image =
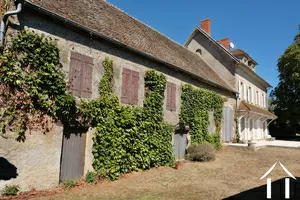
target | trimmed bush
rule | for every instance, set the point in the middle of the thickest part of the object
(90, 177)
(201, 152)
(10, 190)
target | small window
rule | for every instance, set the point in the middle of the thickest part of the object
(171, 97)
(246, 94)
(249, 95)
(130, 86)
(199, 52)
(257, 98)
(242, 91)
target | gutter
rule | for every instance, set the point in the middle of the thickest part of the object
(258, 113)
(5, 17)
(93, 32)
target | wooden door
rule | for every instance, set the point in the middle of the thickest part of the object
(180, 143)
(73, 154)
(227, 130)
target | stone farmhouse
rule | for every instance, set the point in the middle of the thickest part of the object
(87, 32)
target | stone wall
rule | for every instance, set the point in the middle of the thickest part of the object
(38, 159)
(215, 57)
(33, 164)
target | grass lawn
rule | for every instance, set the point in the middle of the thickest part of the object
(235, 170)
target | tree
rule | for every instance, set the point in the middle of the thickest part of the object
(271, 104)
(286, 96)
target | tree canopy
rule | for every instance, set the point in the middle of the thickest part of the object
(286, 96)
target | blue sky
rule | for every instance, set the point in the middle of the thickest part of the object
(263, 28)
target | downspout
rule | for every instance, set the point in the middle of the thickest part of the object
(5, 17)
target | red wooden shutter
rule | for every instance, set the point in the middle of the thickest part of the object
(126, 76)
(75, 75)
(169, 94)
(134, 87)
(87, 77)
(173, 97)
(81, 75)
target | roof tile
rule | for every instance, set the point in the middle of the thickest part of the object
(104, 18)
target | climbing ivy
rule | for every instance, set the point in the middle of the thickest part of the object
(32, 84)
(196, 102)
(33, 95)
(129, 138)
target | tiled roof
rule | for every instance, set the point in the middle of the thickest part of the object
(244, 106)
(106, 19)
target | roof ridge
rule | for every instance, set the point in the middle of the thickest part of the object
(134, 35)
(182, 46)
(142, 23)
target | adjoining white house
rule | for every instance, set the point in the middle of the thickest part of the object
(238, 69)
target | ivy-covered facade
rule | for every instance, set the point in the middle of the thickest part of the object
(145, 94)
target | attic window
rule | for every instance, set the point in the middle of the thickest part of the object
(199, 52)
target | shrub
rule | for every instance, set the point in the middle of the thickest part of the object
(69, 184)
(201, 152)
(90, 177)
(10, 190)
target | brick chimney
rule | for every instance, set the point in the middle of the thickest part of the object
(205, 25)
(225, 42)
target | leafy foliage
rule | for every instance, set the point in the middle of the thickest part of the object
(214, 139)
(129, 138)
(10, 190)
(201, 152)
(67, 184)
(33, 90)
(196, 102)
(285, 97)
(90, 177)
(31, 81)
(34, 93)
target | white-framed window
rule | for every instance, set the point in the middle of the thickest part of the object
(257, 98)
(246, 93)
(242, 90)
(253, 96)
(249, 94)
(263, 101)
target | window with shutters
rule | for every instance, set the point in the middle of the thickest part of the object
(171, 97)
(81, 74)
(130, 87)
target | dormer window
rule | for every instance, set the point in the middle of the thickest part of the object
(245, 60)
(199, 52)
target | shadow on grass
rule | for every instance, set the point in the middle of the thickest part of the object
(277, 191)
